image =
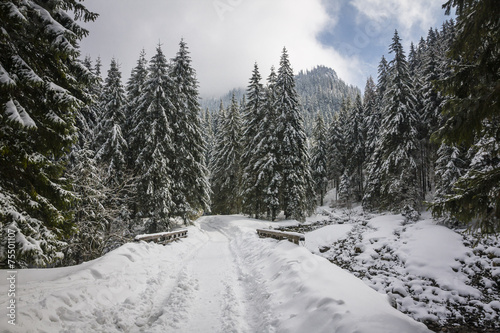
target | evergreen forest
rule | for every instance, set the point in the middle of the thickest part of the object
(88, 161)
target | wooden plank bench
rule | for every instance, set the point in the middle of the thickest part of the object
(293, 237)
(162, 237)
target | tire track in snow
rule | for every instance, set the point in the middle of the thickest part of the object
(247, 291)
(216, 305)
(170, 301)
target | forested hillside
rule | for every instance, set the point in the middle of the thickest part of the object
(320, 90)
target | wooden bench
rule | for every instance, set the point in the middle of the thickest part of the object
(162, 237)
(293, 237)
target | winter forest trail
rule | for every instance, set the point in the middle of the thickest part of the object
(217, 301)
(221, 278)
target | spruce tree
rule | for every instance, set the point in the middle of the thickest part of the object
(111, 148)
(472, 111)
(372, 121)
(337, 148)
(86, 117)
(355, 152)
(371, 194)
(135, 89)
(226, 168)
(269, 165)
(208, 137)
(253, 156)
(319, 159)
(296, 186)
(92, 219)
(394, 164)
(153, 134)
(450, 166)
(190, 187)
(41, 87)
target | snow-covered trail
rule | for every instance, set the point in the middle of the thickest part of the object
(217, 304)
(221, 278)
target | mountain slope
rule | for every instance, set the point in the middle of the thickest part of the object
(319, 89)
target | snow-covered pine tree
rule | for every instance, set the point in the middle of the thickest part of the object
(297, 185)
(111, 153)
(450, 166)
(90, 216)
(319, 159)
(371, 194)
(208, 137)
(345, 190)
(372, 117)
(111, 146)
(86, 117)
(430, 72)
(153, 135)
(355, 154)
(337, 148)
(382, 78)
(41, 85)
(269, 167)
(472, 111)
(226, 167)
(415, 69)
(397, 146)
(135, 89)
(190, 186)
(484, 156)
(429, 107)
(255, 152)
(216, 119)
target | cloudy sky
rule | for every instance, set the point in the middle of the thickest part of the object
(226, 37)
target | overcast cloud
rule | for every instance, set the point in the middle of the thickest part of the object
(226, 37)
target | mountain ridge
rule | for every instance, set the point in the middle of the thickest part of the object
(320, 90)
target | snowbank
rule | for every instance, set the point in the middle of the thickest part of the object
(309, 294)
(429, 271)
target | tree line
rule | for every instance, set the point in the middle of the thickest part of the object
(86, 163)
(139, 162)
(426, 134)
(403, 147)
(260, 160)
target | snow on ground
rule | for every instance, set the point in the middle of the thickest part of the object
(221, 278)
(431, 272)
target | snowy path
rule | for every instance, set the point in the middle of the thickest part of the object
(222, 278)
(217, 303)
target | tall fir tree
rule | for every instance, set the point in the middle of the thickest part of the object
(372, 121)
(111, 145)
(153, 135)
(472, 112)
(297, 186)
(41, 87)
(92, 219)
(395, 160)
(255, 153)
(319, 161)
(355, 152)
(86, 117)
(190, 187)
(269, 166)
(226, 167)
(450, 166)
(135, 88)
(208, 137)
(337, 148)
(372, 184)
